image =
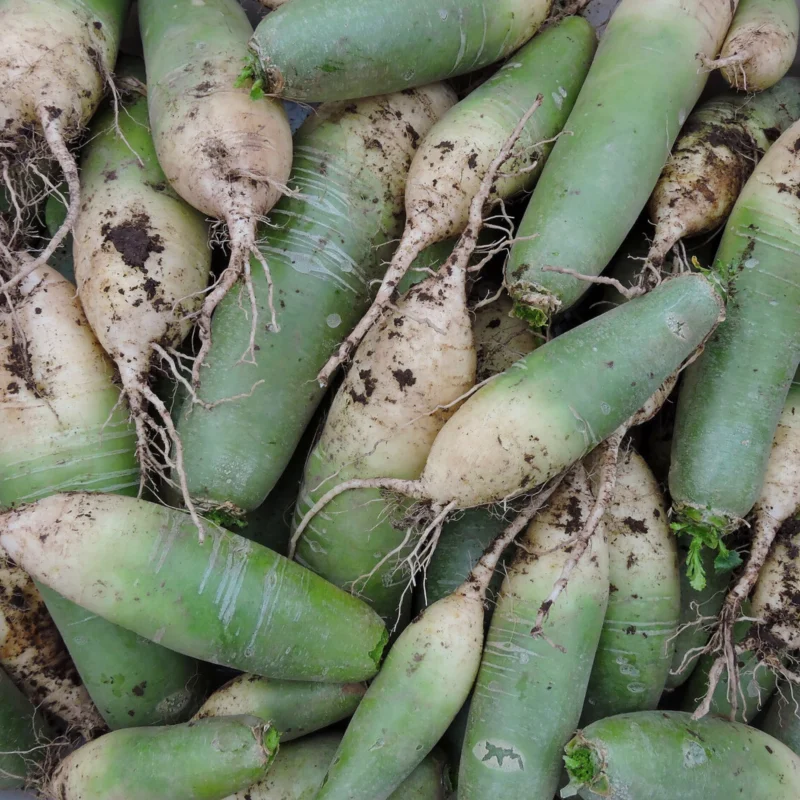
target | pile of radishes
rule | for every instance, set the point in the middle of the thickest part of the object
(443, 446)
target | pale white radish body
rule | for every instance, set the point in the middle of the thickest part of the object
(55, 56)
(141, 261)
(760, 45)
(226, 153)
(33, 654)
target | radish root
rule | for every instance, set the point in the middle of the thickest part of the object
(467, 242)
(605, 494)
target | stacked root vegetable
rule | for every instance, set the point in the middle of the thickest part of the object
(445, 447)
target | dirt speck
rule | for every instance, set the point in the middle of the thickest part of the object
(134, 240)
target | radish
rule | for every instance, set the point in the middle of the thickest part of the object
(719, 146)
(34, 656)
(635, 652)
(639, 91)
(781, 720)
(529, 691)
(205, 760)
(299, 769)
(454, 157)
(22, 732)
(424, 681)
(63, 427)
(722, 440)
(661, 755)
(228, 601)
(57, 56)
(494, 448)
(778, 501)
(140, 252)
(366, 50)
(225, 150)
(325, 245)
(760, 46)
(295, 708)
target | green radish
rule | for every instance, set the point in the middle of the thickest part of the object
(530, 690)
(731, 397)
(225, 150)
(299, 769)
(367, 49)
(63, 428)
(140, 252)
(638, 639)
(54, 213)
(760, 46)
(226, 600)
(34, 656)
(325, 247)
(455, 156)
(22, 733)
(423, 683)
(204, 760)
(719, 146)
(699, 607)
(494, 448)
(406, 376)
(57, 56)
(781, 720)
(662, 755)
(295, 708)
(639, 91)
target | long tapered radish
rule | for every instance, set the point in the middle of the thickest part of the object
(760, 46)
(325, 247)
(639, 91)
(716, 152)
(225, 153)
(731, 398)
(584, 385)
(662, 755)
(374, 47)
(55, 59)
(635, 651)
(141, 262)
(295, 708)
(22, 732)
(63, 427)
(33, 654)
(529, 692)
(204, 760)
(227, 600)
(299, 769)
(405, 377)
(454, 157)
(423, 683)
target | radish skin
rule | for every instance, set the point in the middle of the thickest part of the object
(204, 760)
(529, 692)
(662, 755)
(761, 44)
(648, 51)
(228, 601)
(712, 159)
(366, 49)
(454, 157)
(722, 438)
(225, 153)
(295, 708)
(34, 656)
(781, 720)
(141, 259)
(637, 643)
(56, 56)
(322, 270)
